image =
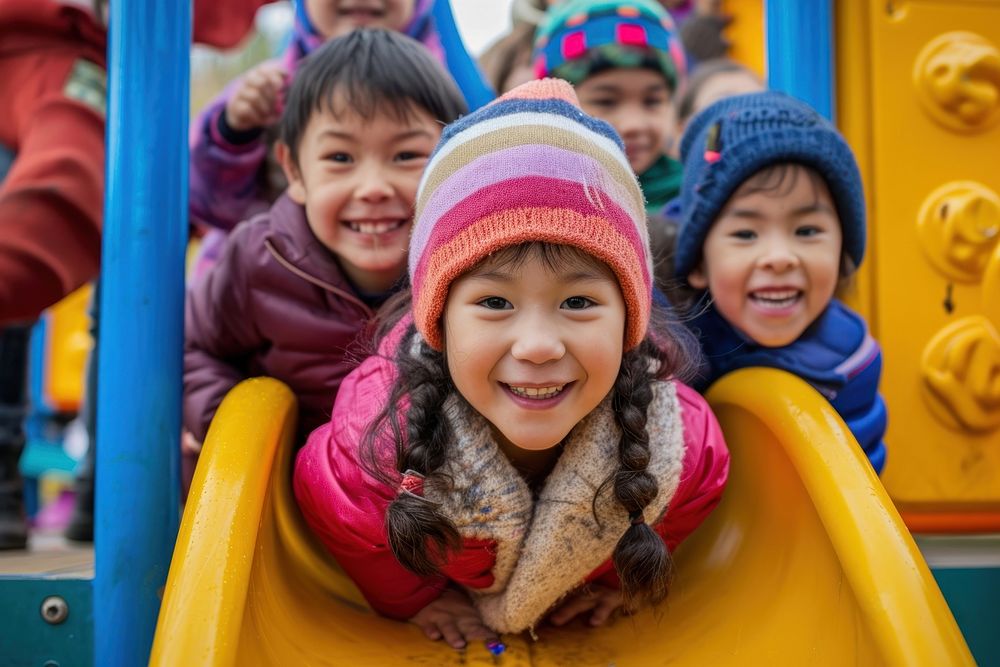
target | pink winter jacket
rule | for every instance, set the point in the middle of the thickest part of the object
(345, 507)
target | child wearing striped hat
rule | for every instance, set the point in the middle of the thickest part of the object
(627, 63)
(519, 448)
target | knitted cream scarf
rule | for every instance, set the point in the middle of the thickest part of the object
(547, 547)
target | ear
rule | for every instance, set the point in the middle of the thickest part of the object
(698, 278)
(296, 187)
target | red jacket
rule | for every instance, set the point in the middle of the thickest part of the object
(52, 92)
(52, 97)
(276, 304)
(345, 507)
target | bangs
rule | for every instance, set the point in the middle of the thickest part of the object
(778, 180)
(555, 257)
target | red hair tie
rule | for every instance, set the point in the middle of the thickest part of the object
(412, 483)
(637, 518)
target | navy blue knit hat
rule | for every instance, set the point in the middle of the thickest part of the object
(738, 136)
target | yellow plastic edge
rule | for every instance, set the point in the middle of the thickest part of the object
(206, 589)
(898, 596)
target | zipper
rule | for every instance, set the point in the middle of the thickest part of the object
(329, 287)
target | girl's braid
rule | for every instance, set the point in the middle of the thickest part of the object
(419, 535)
(641, 558)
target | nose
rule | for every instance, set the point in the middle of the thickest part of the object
(373, 185)
(536, 340)
(628, 123)
(778, 256)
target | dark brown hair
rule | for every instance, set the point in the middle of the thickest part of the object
(507, 53)
(420, 536)
(374, 70)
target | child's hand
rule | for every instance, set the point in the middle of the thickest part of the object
(602, 601)
(453, 617)
(189, 444)
(256, 102)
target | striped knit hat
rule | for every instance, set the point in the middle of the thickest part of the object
(531, 166)
(580, 38)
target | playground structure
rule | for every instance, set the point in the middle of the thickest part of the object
(805, 565)
(818, 567)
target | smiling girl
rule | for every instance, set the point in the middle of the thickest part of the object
(772, 217)
(519, 449)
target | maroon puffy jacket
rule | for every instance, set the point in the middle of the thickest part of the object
(276, 304)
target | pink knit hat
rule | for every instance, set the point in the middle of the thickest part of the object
(531, 166)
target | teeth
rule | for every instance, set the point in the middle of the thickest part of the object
(537, 392)
(375, 227)
(776, 299)
(777, 295)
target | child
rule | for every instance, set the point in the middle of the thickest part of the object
(711, 81)
(772, 215)
(626, 64)
(506, 63)
(296, 285)
(544, 434)
(228, 148)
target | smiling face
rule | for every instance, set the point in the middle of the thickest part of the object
(636, 102)
(333, 18)
(772, 257)
(357, 179)
(534, 345)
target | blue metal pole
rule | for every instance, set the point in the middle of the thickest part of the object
(141, 333)
(800, 51)
(461, 64)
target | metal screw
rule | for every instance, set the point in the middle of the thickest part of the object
(54, 609)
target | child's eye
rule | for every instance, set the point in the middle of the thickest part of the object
(577, 303)
(338, 157)
(495, 303)
(603, 103)
(654, 102)
(808, 230)
(405, 156)
(744, 234)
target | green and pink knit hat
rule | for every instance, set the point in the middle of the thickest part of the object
(582, 37)
(531, 166)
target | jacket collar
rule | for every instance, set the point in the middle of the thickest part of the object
(293, 245)
(827, 354)
(547, 547)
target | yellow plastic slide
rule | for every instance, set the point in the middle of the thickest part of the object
(805, 562)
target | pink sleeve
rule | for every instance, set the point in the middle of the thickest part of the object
(706, 469)
(345, 507)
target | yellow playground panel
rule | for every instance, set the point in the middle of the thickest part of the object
(920, 101)
(746, 33)
(804, 562)
(67, 348)
(918, 98)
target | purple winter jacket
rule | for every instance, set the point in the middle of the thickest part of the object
(276, 304)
